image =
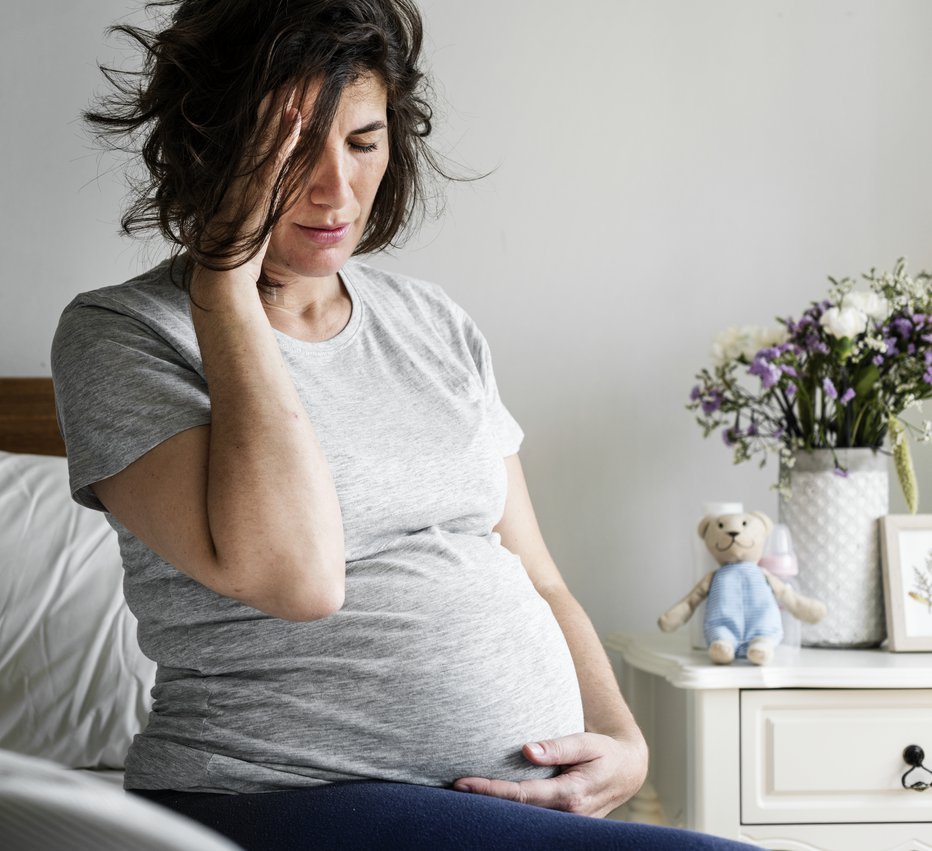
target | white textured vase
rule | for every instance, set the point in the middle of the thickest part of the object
(833, 520)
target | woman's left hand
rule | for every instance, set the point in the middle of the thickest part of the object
(599, 774)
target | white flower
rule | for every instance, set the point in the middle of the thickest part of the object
(729, 345)
(844, 322)
(773, 336)
(871, 304)
(745, 342)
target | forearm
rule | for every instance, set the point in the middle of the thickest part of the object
(604, 708)
(271, 501)
(604, 766)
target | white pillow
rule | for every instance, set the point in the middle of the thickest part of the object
(44, 806)
(74, 686)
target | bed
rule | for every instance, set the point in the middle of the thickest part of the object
(74, 686)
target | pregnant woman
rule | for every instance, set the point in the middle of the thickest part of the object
(361, 638)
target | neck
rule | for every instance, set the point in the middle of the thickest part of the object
(310, 298)
(312, 309)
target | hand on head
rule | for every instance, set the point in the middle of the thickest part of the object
(251, 194)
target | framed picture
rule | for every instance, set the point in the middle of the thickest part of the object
(906, 544)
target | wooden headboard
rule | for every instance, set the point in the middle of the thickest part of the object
(27, 417)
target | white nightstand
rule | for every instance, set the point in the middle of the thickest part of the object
(793, 756)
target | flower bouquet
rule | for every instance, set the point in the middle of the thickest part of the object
(841, 376)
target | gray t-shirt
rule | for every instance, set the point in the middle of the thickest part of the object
(443, 660)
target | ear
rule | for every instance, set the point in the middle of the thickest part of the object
(768, 523)
(704, 525)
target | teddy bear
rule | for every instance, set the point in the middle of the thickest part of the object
(742, 617)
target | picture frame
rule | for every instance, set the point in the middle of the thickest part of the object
(906, 549)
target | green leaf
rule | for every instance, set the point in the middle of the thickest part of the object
(865, 379)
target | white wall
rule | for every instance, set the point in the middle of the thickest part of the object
(662, 169)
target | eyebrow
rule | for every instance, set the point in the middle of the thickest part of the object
(369, 128)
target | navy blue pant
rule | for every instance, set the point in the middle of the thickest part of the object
(363, 815)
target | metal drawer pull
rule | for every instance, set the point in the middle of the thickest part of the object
(914, 756)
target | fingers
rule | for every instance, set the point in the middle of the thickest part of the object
(276, 113)
(279, 127)
(551, 794)
(251, 195)
(566, 750)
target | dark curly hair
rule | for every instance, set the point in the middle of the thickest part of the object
(191, 112)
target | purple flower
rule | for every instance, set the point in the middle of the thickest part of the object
(789, 370)
(768, 373)
(829, 389)
(902, 326)
(841, 472)
(712, 401)
(811, 342)
(847, 396)
(878, 360)
(773, 352)
(753, 430)
(791, 390)
(729, 436)
(815, 312)
(695, 393)
(927, 376)
(794, 328)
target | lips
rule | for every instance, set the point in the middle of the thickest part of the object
(325, 235)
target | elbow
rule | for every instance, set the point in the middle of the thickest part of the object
(310, 604)
(302, 592)
(308, 592)
(315, 588)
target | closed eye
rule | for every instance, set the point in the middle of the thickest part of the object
(365, 147)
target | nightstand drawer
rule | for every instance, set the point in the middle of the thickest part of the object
(820, 756)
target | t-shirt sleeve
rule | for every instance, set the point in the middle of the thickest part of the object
(120, 390)
(507, 431)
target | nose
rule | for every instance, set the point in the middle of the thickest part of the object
(734, 534)
(330, 185)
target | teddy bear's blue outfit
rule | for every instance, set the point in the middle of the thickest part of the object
(741, 607)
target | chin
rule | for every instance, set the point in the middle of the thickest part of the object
(296, 258)
(319, 264)
(316, 269)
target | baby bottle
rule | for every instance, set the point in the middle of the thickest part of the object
(703, 562)
(780, 560)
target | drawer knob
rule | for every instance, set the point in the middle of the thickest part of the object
(914, 756)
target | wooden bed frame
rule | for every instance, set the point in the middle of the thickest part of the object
(27, 417)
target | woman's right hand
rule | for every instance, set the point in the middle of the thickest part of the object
(250, 196)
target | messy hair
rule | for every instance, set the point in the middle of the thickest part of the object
(191, 112)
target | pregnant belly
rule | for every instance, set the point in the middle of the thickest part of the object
(434, 669)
